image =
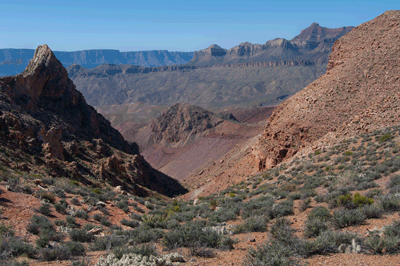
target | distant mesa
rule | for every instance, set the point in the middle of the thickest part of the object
(315, 42)
(93, 58)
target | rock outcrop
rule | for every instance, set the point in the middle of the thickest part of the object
(358, 93)
(182, 124)
(47, 122)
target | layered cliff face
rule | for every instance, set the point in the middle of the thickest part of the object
(48, 123)
(14, 61)
(358, 93)
(211, 54)
(315, 42)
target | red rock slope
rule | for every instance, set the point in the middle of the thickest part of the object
(358, 93)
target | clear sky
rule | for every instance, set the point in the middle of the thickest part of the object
(175, 25)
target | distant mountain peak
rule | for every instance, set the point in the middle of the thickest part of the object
(316, 33)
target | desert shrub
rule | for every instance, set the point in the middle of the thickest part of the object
(97, 191)
(123, 205)
(76, 202)
(328, 242)
(344, 218)
(13, 247)
(224, 215)
(372, 211)
(59, 192)
(135, 216)
(283, 248)
(54, 253)
(373, 193)
(130, 223)
(97, 217)
(375, 244)
(390, 203)
(105, 222)
(360, 200)
(60, 208)
(82, 214)
(314, 227)
(6, 230)
(389, 242)
(257, 207)
(144, 250)
(253, 224)
(144, 234)
(48, 181)
(282, 209)
(71, 222)
(103, 210)
(272, 253)
(60, 223)
(27, 190)
(227, 243)
(321, 213)
(282, 231)
(46, 195)
(44, 209)
(393, 230)
(385, 137)
(149, 206)
(346, 201)
(75, 248)
(191, 236)
(80, 235)
(295, 196)
(38, 224)
(108, 242)
(42, 241)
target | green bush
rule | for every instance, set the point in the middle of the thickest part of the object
(46, 195)
(253, 224)
(71, 222)
(372, 211)
(360, 200)
(191, 236)
(44, 209)
(82, 214)
(54, 253)
(60, 208)
(385, 137)
(39, 223)
(123, 205)
(80, 235)
(321, 213)
(390, 203)
(130, 223)
(344, 218)
(314, 227)
(75, 248)
(15, 247)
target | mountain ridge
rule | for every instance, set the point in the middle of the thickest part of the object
(313, 42)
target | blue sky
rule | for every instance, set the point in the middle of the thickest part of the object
(174, 25)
